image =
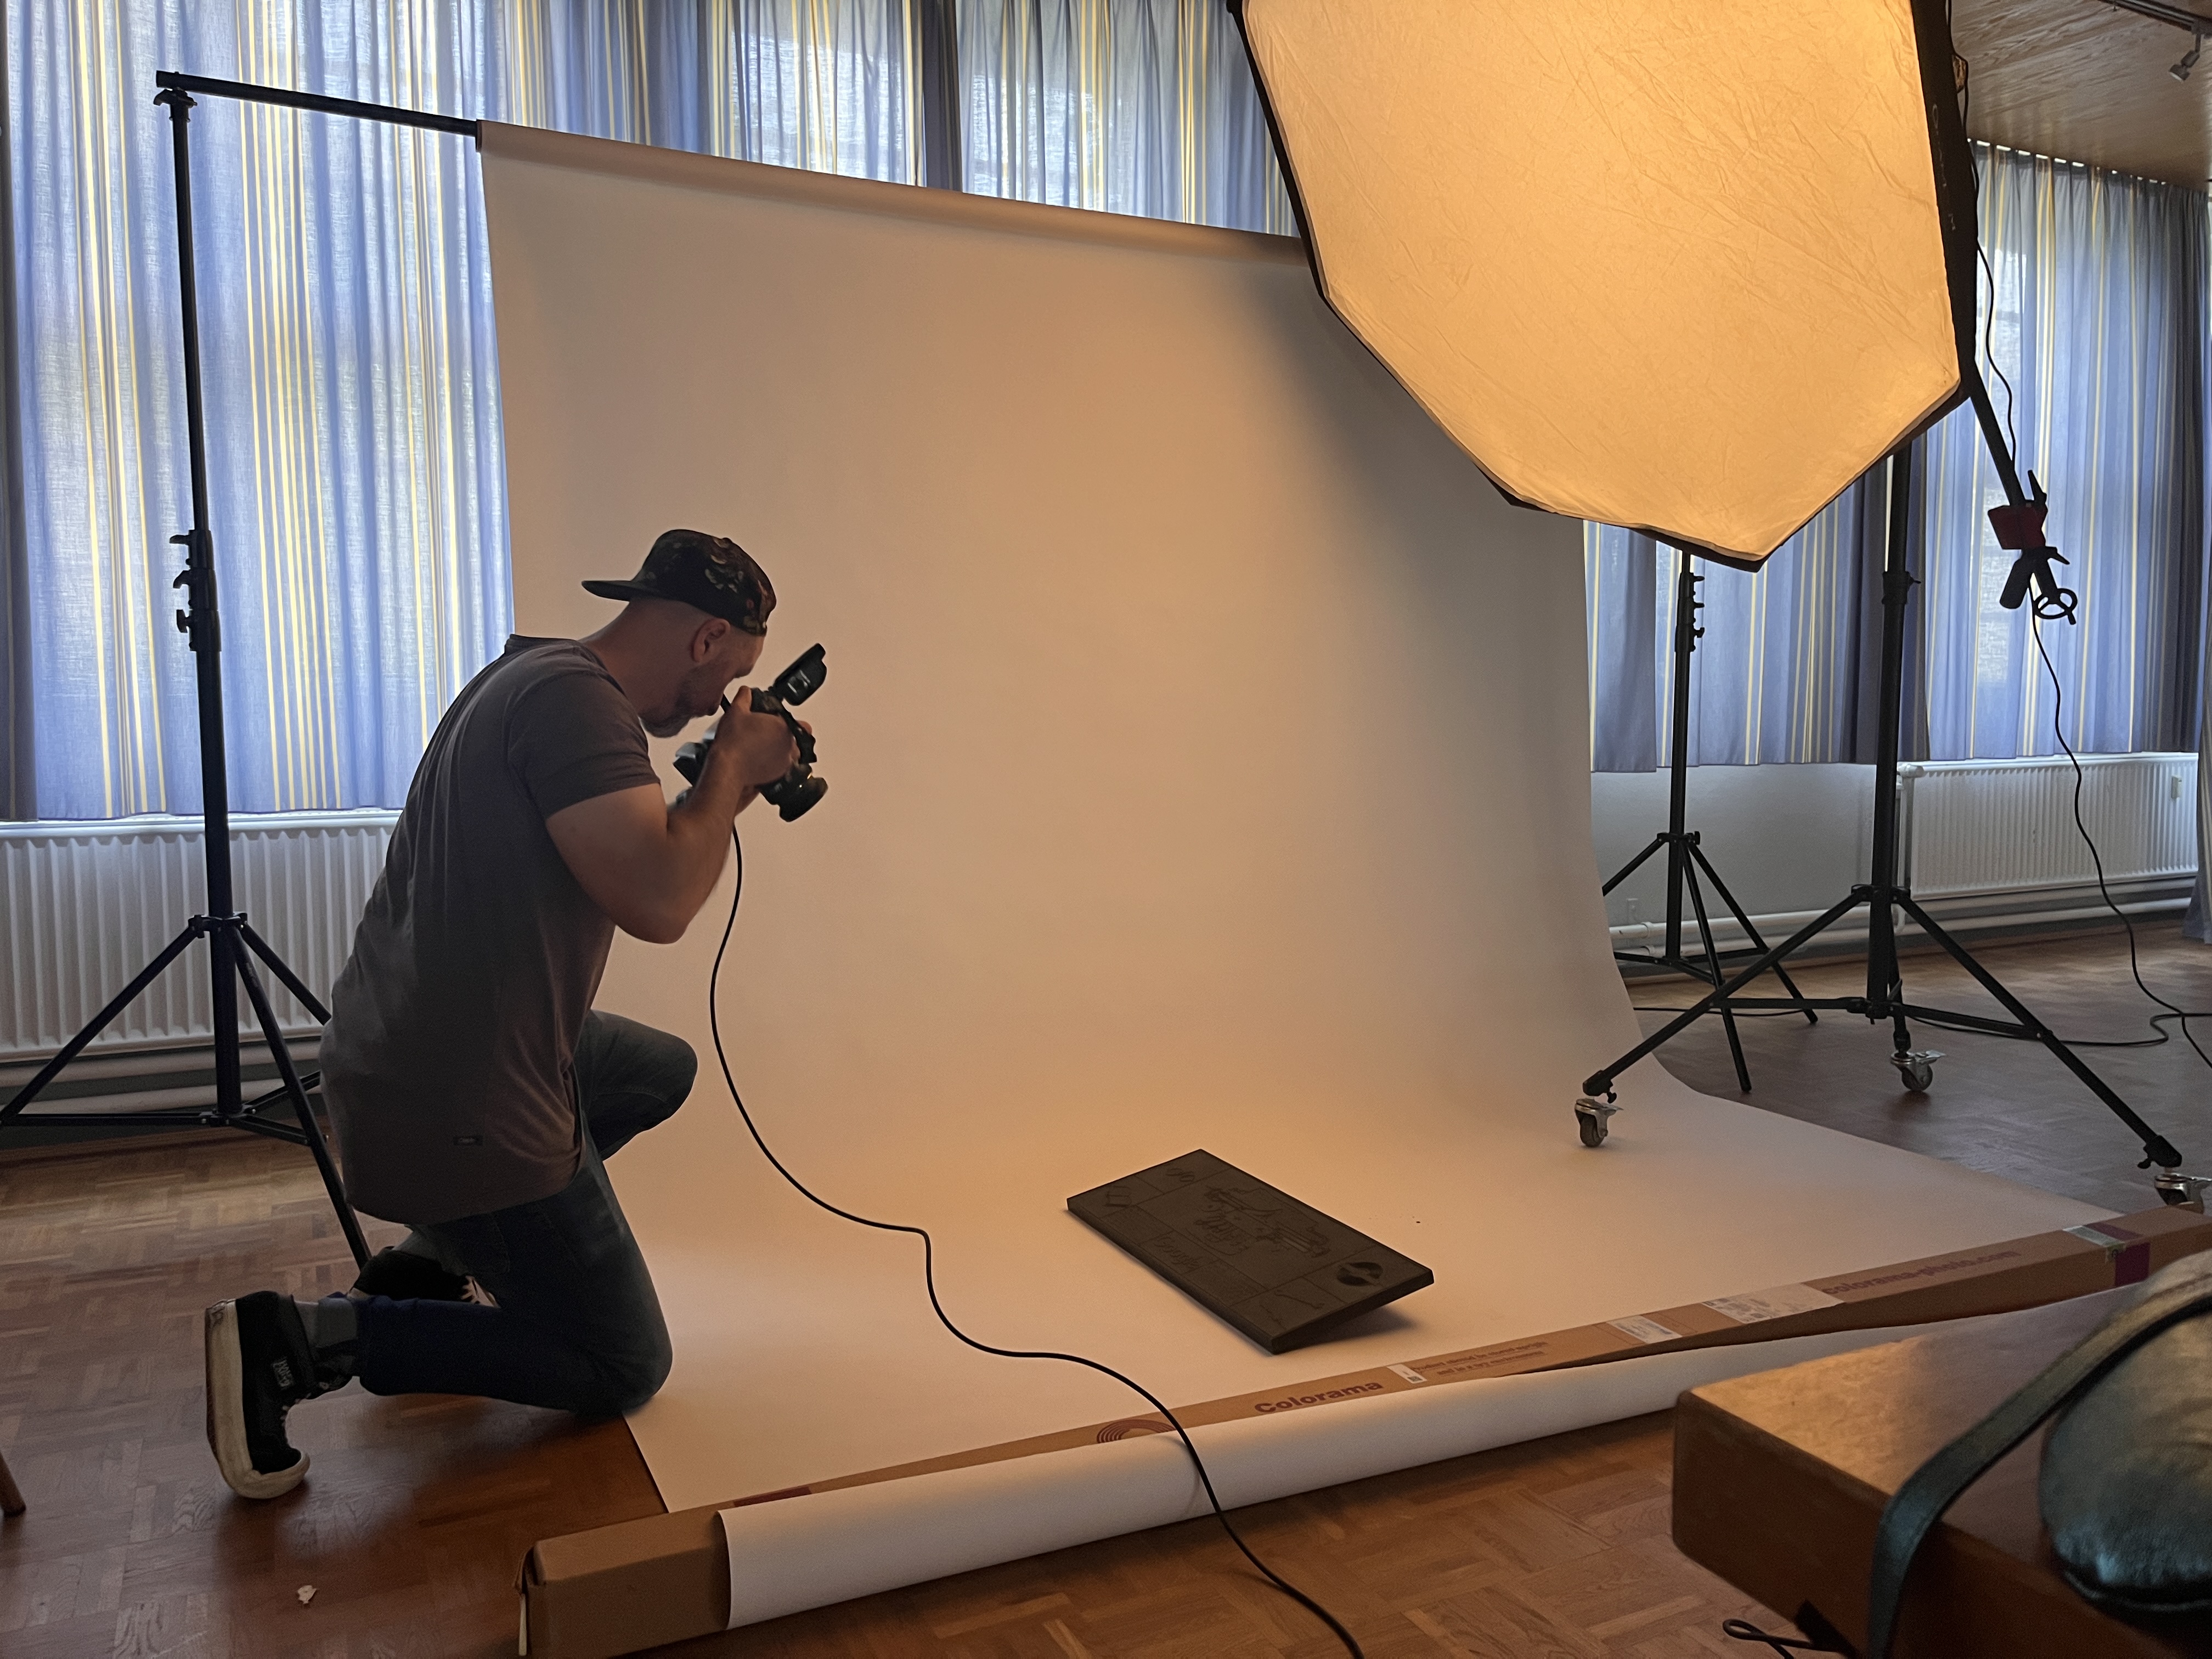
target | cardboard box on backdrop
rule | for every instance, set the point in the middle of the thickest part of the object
(1208, 756)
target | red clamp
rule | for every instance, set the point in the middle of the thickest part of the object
(2020, 528)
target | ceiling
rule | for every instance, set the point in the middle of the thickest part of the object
(2084, 81)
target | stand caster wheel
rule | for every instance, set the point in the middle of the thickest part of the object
(1917, 1067)
(1592, 1120)
(2183, 1191)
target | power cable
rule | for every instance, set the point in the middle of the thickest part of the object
(2035, 631)
(2104, 890)
(1742, 1630)
(2096, 858)
(1981, 252)
(929, 1280)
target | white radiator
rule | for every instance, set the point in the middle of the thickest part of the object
(83, 907)
(1986, 845)
(1992, 827)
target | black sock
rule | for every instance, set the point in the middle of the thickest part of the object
(333, 1327)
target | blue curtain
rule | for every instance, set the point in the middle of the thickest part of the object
(359, 511)
(354, 451)
(2098, 323)
(825, 84)
(1786, 669)
(1144, 106)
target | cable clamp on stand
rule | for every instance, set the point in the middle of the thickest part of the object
(2019, 527)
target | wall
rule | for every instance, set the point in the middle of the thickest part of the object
(1784, 838)
(1989, 847)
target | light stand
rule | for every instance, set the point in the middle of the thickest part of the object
(232, 943)
(1686, 857)
(1882, 896)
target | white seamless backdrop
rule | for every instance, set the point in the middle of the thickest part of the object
(1208, 760)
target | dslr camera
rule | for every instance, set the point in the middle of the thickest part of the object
(797, 790)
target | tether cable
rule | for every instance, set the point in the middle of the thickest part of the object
(929, 1279)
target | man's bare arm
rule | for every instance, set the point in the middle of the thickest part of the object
(650, 866)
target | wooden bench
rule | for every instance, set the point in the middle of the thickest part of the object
(1779, 1479)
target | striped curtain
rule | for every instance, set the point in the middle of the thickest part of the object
(824, 84)
(1786, 669)
(359, 512)
(1144, 106)
(2099, 322)
(354, 454)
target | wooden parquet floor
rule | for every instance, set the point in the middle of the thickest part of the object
(417, 1515)
(414, 1517)
(1996, 1105)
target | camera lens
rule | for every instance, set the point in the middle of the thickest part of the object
(793, 799)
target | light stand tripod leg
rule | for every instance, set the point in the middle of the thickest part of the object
(1713, 963)
(100, 1021)
(1743, 920)
(1634, 863)
(1623, 874)
(310, 1130)
(1600, 1083)
(290, 980)
(2157, 1149)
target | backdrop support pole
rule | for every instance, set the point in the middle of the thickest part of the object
(228, 936)
(1685, 854)
(1884, 895)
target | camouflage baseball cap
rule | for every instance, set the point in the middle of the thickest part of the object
(711, 573)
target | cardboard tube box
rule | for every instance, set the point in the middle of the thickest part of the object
(666, 1578)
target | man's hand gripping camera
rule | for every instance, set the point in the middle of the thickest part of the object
(798, 789)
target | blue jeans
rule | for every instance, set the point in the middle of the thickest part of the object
(577, 1326)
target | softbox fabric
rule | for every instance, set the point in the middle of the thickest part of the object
(1686, 269)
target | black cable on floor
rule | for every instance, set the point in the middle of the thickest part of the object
(1942, 1024)
(2135, 967)
(1742, 1630)
(929, 1279)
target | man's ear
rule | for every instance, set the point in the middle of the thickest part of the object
(707, 637)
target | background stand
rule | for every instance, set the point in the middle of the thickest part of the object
(232, 943)
(1686, 857)
(1884, 899)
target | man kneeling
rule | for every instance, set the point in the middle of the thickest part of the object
(475, 1093)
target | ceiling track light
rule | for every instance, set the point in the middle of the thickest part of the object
(2181, 17)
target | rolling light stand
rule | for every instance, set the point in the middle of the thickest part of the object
(1686, 857)
(232, 943)
(2020, 528)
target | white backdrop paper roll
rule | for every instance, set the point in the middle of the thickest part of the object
(800, 1552)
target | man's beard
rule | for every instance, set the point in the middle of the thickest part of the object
(667, 726)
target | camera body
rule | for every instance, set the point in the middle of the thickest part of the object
(797, 790)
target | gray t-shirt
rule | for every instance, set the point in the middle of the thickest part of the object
(446, 1063)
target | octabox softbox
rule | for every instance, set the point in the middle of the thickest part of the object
(1686, 268)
